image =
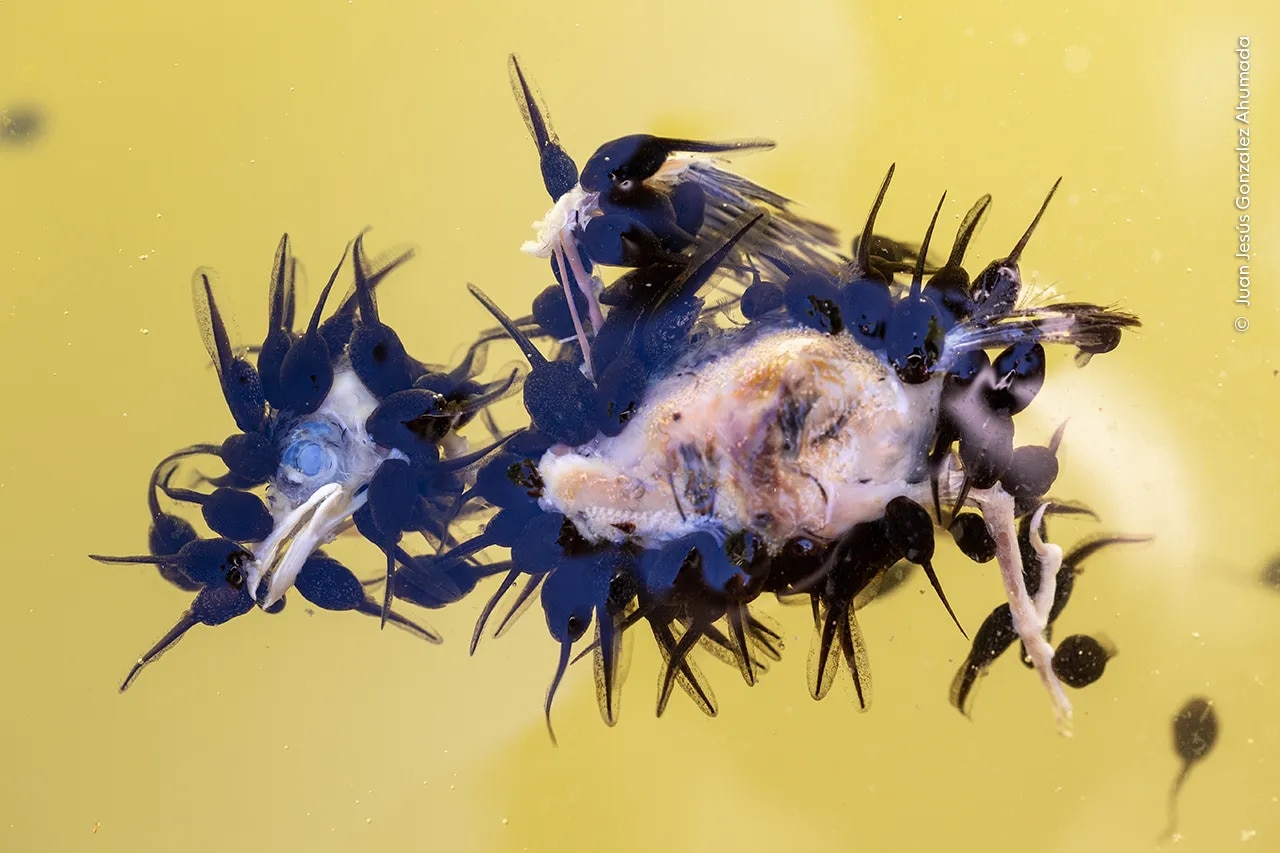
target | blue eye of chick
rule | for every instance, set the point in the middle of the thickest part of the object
(310, 451)
(307, 457)
(312, 454)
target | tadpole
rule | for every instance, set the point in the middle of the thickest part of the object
(1195, 731)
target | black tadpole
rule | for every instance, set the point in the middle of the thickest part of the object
(949, 286)
(915, 332)
(995, 290)
(1195, 731)
(559, 173)
(561, 401)
(376, 352)
(241, 386)
(1270, 575)
(910, 530)
(1080, 660)
(306, 371)
(279, 332)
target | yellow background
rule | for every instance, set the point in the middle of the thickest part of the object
(181, 134)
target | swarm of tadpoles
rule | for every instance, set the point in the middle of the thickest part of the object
(744, 410)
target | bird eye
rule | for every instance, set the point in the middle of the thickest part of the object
(309, 458)
(310, 455)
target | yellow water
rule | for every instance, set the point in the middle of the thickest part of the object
(176, 135)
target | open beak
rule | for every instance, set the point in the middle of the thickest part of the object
(279, 558)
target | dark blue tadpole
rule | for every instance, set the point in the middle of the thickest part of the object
(560, 400)
(460, 382)
(666, 333)
(1105, 339)
(240, 384)
(915, 332)
(568, 606)
(654, 210)
(949, 286)
(513, 574)
(337, 330)
(540, 547)
(910, 531)
(204, 561)
(735, 574)
(441, 483)
(594, 587)
(559, 172)
(663, 329)
(659, 568)
(463, 396)
(434, 581)
(645, 224)
(613, 589)
(168, 532)
(636, 290)
(377, 355)
(761, 297)
(328, 584)
(716, 572)
(551, 311)
(544, 542)
(306, 373)
(412, 421)
(395, 506)
(800, 560)
(995, 290)
(675, 653)
(214, 605)
(654, 578)
(508, 480)
(866, 303)
(698, 562)
(967, 367)
(619, 394)
(250, 456)
(281, 297)
(1019, 375)
(689, 201)
(251, 459)
(239, 516)
(813, 300)
(504, 528)
(618, 240)
(623, 164)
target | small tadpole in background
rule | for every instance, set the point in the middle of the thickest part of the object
(21, 124)
(1270, 574)
(1195, 731)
